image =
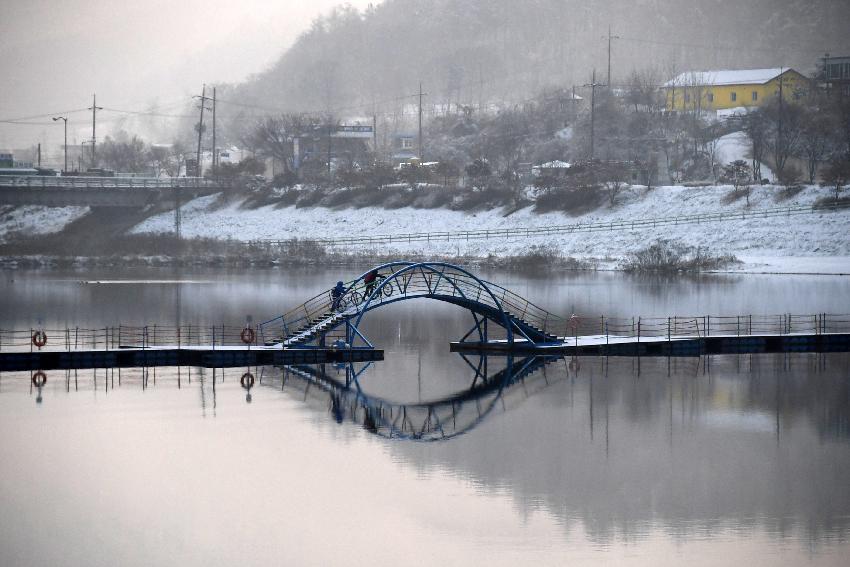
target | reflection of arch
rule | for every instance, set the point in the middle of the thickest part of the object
(321, 318)
(435, 420)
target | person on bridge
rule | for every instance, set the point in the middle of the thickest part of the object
(371, 280)
(336, 295)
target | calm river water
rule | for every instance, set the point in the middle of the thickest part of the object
(710, 461)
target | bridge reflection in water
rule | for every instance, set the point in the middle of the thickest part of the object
(435, 420)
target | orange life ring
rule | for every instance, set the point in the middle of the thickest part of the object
(247, 380)
(39, 338)
(39, 379)
(247, 335)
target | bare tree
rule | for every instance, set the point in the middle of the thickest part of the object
(756, 127)
(785, 123)
(273, 137)
(837, 174)
(738, 174)
(817, 139)
(614, 175)
(169, 159)
(124, 153)
(642, 92)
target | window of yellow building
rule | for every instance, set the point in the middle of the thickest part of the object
(755, 96)
(734, 96)
(710, 97)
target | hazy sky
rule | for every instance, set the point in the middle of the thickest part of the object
(55, 53)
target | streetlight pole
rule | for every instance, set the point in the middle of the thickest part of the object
(65, 120)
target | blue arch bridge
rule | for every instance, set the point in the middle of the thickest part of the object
(523, 328)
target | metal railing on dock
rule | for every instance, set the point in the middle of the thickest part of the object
(214, 336)
(711, 325)
(126, 336)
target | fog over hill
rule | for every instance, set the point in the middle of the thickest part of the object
(474, 51)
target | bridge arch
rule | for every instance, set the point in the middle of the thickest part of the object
(438, 269)
(316, 319)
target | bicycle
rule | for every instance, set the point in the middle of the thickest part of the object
(350, 299)
(386, 291)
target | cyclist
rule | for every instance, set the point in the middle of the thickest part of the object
(336, 295)
(371, 280)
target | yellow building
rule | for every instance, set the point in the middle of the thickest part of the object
(719, 90)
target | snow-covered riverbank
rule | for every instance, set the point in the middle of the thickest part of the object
(817, 242)
(35, 219)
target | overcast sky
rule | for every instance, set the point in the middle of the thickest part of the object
(55, 53)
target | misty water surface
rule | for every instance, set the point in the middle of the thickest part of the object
(708, 461)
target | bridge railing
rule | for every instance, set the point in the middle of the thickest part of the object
(44, 182)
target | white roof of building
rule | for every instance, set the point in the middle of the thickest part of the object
(726, 77)
(557, 164)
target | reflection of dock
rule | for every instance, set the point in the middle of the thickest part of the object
(219, 357)
(612, 345)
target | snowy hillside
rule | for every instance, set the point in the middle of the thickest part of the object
(33, 219)
(824, 236)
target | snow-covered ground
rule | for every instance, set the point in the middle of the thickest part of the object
(34, 219)
(817, 242)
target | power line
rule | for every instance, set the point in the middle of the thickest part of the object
(145, 113)
(46, 115)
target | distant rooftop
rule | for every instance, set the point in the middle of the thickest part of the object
(557, 164)
(726, 77)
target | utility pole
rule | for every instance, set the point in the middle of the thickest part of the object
(329, 149)
(610, 37)
(420, 122)
(593, 84)
(203, 99)
(573, 101)
(779, 142)
(375, 134)
(177, 196)
(64, 119)
(39, 156)
(214, 150)
(94, 108)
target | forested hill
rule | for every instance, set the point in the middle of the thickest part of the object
(472, 51)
